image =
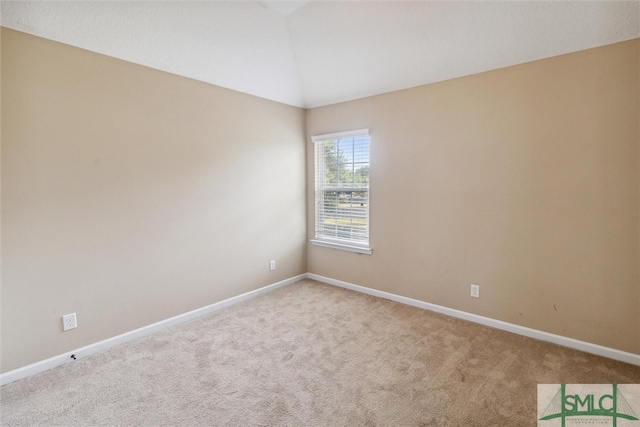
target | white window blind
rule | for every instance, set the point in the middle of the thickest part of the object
(342, 190)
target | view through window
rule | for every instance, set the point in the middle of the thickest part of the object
(342, 190)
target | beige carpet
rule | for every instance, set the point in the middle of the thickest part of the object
(310, 354)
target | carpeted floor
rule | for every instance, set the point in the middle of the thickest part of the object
(310, 354)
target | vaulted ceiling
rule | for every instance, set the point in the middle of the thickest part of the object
(311, 53)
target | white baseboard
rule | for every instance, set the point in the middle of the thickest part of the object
(45, 365)
(587, 347)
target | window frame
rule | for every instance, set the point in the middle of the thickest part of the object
(320, 188)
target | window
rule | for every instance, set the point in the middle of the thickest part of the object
(342, 190)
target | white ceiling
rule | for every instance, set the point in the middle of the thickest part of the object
(312, 53)
(284, 7)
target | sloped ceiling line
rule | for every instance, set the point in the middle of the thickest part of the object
(312, 53)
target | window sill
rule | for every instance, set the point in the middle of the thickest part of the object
(342, 246)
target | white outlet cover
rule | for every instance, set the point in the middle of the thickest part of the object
(69, 321)
(475, 291)
(272, 265)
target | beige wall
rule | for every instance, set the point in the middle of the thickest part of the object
(125, 195)
(131, 195)
(523, 180)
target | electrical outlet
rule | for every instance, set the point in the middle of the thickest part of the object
(69, 321)
(475, 291)
(272, 265)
